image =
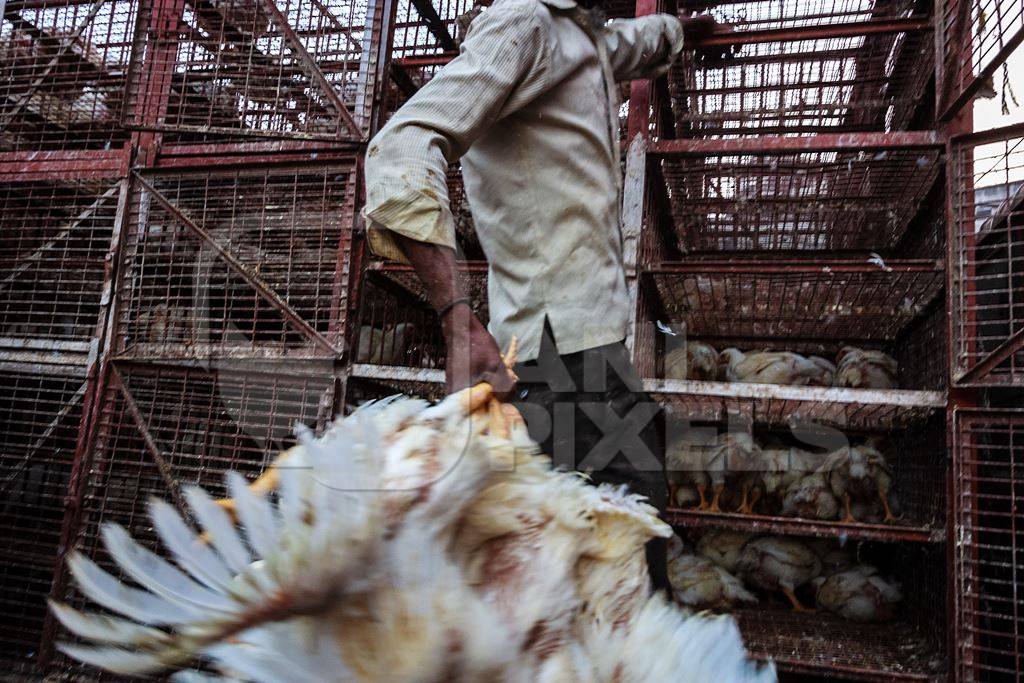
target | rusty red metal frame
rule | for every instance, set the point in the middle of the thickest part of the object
(820, 32)
(796, 266)
(824, 142)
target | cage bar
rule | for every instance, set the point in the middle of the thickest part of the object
(750, 200)
(989, 567)
(53, 248)
(976, 37)
(987, 200)
(804, 66)
(63, 73)
(237, 261)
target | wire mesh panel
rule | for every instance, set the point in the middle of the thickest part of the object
(53, 249)
(263, 68)
(237, 262)
(976, 38)
(910, 648)
(810, 301)
(816, 200)
(989, 484)
(803, 66)
(988, 232)
(40, 416)
(63, 72)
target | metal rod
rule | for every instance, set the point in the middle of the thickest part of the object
(826, 142)
(435, 25)
(158, 457)
(312, 69)
(820, 32)
(992, 360)
(967, 94)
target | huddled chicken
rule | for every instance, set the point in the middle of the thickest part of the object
(854, 368)
(408, 543)
(853, 483)
(858, 593)
(702, 584)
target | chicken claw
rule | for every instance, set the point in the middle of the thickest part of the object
(701, 489)
(797, 606)
(848, 517)
(747, 506)
(714, 507)
(883, 496)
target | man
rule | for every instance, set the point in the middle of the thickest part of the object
(530, 107)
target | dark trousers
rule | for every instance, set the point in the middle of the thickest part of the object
(588, 412)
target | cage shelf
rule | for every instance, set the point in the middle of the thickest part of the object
(820, 644)
(778, 405)
(804, 66)
(793, 526)
(829, 193)
(848, 300)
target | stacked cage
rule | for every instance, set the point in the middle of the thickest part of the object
(179, 191)
(791, 206)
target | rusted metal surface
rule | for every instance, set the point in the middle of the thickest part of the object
(987, 180)
(824, 142)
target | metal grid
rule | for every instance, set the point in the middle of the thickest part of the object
(40, 416)
(822, 300)
(987, 201)
(246, 261)
(989, 567)
(910, 648)
(815, 200)
(63, 72)
(53, 248)
(256, 68)
(394, 328)
(802, 66)
(976, 38)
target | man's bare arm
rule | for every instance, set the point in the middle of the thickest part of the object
(473, 355)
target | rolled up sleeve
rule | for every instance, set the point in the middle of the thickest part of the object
(644, 47)
(501, 67)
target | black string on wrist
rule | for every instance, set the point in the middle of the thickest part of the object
(443, 311)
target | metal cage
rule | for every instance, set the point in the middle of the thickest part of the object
(987, 257)
(244, 261)
(299, 69)
(64, 68)
(806, 66)
(988, 486)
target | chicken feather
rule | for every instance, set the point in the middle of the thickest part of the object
(408, 543)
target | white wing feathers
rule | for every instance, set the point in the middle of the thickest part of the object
(408, 544)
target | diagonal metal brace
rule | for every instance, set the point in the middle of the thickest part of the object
(244, 272)
(996, 357)
(314, 72)
(173, 487)
(435, 25)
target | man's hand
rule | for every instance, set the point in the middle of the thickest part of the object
(700, 27)
(473, 354)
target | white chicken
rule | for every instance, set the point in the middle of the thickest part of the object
(691, 360)
(783, 468)
(859, 476)
(700, 584)
(724, 547)
(782, 564)
(811, 498)
(858, 594)
(408, 543)
(384, 347)
(861, 369)
(775, 367)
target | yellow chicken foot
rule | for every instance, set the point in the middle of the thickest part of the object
(889, 517)
(848, 517)
(797, 607)
(748, 509)
(714, 507)
(701, 489)
(744, 507)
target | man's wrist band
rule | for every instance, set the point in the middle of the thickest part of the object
(441, 312)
